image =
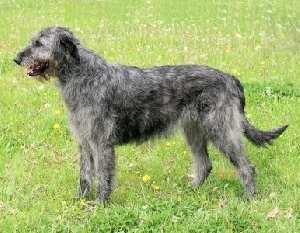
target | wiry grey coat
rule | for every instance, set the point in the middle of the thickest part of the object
(113, 104)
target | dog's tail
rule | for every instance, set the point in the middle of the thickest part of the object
(256, 136)
(259, 137)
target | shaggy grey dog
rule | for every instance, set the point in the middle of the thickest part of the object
(113, 104)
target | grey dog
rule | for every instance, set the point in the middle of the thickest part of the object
(112, 104)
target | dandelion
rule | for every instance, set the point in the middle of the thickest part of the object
(82, 203)
(56, 126)
(146, 178)
(155, 187)
(235, 72)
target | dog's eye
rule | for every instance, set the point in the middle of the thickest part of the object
(37, 43)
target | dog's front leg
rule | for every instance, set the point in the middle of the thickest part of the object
(104, 160)
(86, 170)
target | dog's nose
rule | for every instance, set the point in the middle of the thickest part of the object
(17, 60)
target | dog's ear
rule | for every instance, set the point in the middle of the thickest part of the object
(69, 43)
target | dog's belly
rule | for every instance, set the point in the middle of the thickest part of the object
(140, 126)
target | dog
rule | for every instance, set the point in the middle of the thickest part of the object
(112, 104)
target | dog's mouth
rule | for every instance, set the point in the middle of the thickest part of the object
(37, 68)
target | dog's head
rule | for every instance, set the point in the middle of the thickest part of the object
(48, 51)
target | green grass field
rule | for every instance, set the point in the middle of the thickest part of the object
(258, 41)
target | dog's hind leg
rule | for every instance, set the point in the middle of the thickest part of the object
(197, 141)
(233, 149)
(224, 130)
(86, 170)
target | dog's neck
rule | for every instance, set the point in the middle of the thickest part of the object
(84, 67)
(74, 75)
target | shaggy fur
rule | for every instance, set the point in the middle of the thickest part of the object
(112, 104)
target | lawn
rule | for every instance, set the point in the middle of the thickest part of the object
(258, 41)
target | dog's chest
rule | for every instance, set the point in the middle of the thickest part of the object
(79, 124)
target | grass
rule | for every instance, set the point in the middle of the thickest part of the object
(258, 41)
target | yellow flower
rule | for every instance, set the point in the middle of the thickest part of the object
(146, 178)
(82, 203)
(155, 187)
(56, 126)
(235, 72)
